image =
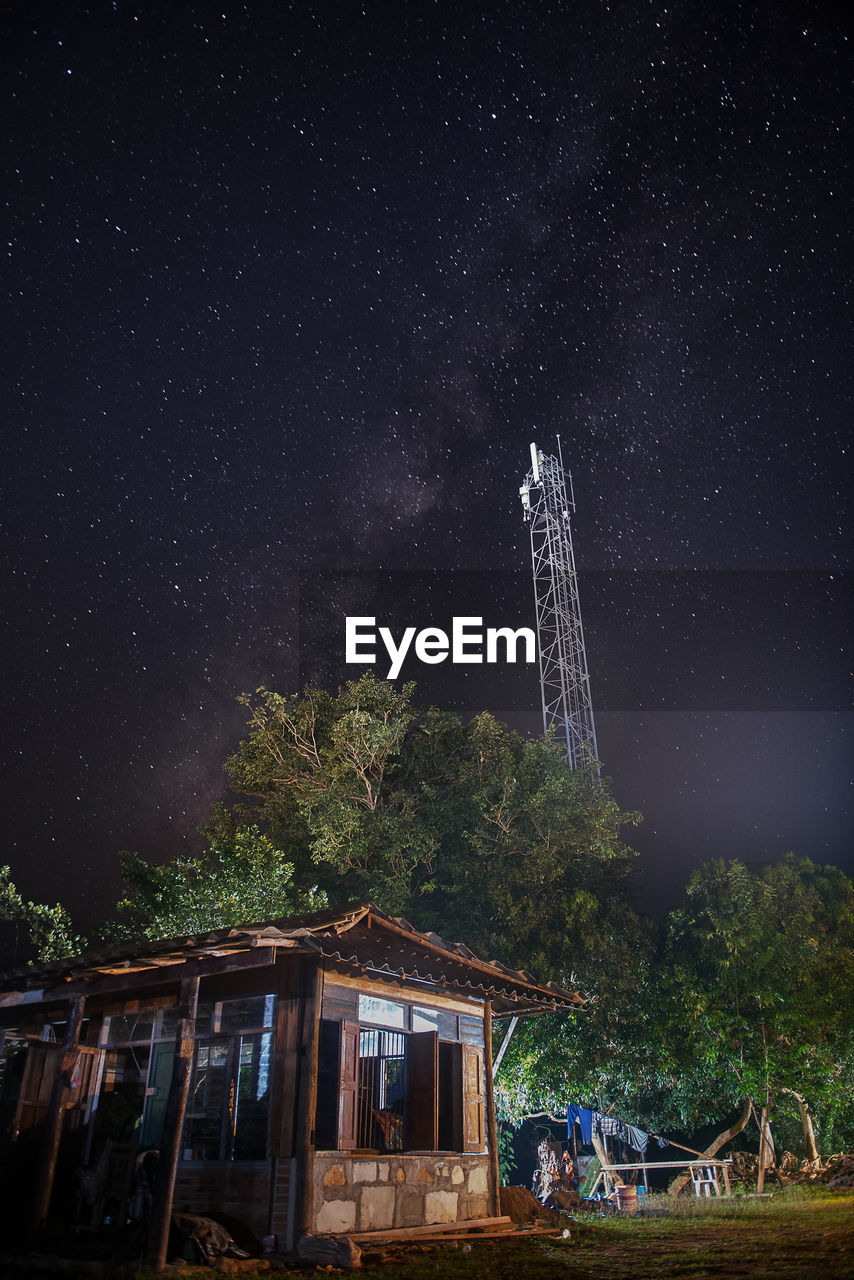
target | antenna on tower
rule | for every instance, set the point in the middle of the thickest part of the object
(564, 678)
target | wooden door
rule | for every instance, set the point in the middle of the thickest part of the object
(473, 1099)
(348, 1087)
(422, 1102)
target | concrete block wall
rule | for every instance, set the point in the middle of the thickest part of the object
(375, 1193)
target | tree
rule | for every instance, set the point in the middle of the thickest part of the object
(470, 829)
(241, 878)
(51, 933)
(742, 992)
(758, 965)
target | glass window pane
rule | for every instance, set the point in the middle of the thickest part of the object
(247, 1013)
(167, 1021)
(209, 1098)
(251, 1098)
(130, 1028)
(385, 1012)
(425, 1019)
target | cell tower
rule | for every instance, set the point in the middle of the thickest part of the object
(564, 680)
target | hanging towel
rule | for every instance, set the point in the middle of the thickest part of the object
(637, 1138)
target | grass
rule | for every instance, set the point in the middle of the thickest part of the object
(791, 1236)
(797, 1234)
(794, 1235)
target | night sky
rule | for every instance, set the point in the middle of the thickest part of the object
(292, 288)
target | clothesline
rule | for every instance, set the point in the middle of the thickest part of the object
(548, 1115)
(591, 1121)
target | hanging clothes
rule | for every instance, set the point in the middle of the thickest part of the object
(637, 1138)
(584, 1117)
(663, 1142)
(608, 1125)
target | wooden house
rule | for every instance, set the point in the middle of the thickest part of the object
(328, 1074)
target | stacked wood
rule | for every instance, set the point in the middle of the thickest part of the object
(833, 1171)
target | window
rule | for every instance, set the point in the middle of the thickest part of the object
(381, 1090)
(228, 1106)
(386, 1089)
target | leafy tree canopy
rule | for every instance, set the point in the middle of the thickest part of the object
(468, 829)
(742, 991)
(757, 964)
(241, 878)
(51, 934)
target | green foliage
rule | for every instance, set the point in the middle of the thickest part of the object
(743, 990)
(470, 829)
(506, 1157)
(242, 878)
(758, 967)
(50, 930)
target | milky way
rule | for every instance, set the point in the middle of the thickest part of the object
(293, 288)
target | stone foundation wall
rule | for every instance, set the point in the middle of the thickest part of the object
(375, 1193)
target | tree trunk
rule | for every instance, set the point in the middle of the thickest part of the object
(806, 1124)
(766, 1149)
(599, 1148)
(712, 1150)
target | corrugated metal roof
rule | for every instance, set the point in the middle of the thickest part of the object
(357, 935)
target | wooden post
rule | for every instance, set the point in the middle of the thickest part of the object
(55, 1113)
(173, 1126)
(312, 987)
(491, 1126)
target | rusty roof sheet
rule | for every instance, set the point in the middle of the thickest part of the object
(358, 935)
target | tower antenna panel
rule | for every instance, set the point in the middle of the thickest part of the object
(564, 677)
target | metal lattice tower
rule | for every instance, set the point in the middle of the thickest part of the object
(564, 679)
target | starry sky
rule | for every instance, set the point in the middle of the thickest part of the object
(291, 289)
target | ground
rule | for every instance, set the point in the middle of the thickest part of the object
(792, 1235)
(797, 1234)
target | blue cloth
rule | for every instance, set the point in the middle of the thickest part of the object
(585, 1119)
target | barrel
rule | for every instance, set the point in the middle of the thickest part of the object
(627, 1199)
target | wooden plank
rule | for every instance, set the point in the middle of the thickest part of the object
(283, 1076)
(173, 1125)
(63, 1070)
(307, 1095)
(491, 1125)
(421, 994)
(449, 1229)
